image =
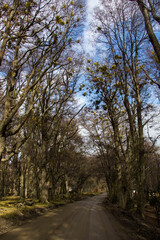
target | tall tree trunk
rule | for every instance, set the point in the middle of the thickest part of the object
(23, 183)
(140, 149)
(141, 165)
(43, 187)
(149, 28)
(2, 144)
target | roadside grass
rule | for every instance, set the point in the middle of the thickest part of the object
(137, 228)
(14, 207)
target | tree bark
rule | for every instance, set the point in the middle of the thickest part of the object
(149, 28)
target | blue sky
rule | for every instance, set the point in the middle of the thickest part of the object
(89, 47)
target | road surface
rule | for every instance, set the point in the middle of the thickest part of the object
(82, 220)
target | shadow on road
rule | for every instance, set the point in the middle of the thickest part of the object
(83, 220)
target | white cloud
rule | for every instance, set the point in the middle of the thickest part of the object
(89, 37)
(152, 128)
(80, 100)
(91, 4)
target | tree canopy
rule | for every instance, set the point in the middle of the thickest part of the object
(44, 67)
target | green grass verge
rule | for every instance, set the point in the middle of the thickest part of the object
(15, 207)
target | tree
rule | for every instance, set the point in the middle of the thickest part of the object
(33, 40)
(109, 159)
(150, 12)
(119, 84)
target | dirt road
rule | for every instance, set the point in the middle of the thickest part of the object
(83, 220)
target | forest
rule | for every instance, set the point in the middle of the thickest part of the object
(51, 144)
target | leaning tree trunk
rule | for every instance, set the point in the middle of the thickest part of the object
(152, 37)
